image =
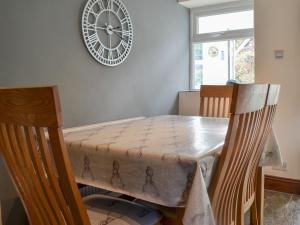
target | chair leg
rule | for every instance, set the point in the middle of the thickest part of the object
(254, 214)
(260, 195)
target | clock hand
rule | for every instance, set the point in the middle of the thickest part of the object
(109, 41)
(108, 16)
(115, 29)
(103, 28)
(119, 31)
(117, 35)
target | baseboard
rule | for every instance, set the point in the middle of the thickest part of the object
(281, 184)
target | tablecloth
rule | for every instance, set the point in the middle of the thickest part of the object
(167, 160)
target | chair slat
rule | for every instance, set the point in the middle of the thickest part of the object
(202, 106)
(68, 186)
(218, 100)
(31, 172)
(54, 213)
(23, 187)
(52, 177)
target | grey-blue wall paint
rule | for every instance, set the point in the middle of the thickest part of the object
(41, 43)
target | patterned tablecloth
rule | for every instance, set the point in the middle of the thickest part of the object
(167, 160)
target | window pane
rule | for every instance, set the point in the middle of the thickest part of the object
(198, 67)
(216, 62)
(243, 60)
(225, 22)
(212, 67)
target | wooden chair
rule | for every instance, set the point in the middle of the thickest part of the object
(233, 188)
(215, 100)
(41, 169)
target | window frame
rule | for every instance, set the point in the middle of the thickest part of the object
(211, 10)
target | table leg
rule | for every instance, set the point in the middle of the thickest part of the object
(260, 195)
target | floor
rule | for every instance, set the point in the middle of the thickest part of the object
(281, 209)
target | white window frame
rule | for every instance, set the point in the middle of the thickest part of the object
(230, 7)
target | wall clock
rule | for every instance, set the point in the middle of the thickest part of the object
(107, 31)
(213, 51)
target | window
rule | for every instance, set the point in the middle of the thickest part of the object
(225, 22)
(222, 44)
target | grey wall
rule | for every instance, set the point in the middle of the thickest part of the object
(40, 43)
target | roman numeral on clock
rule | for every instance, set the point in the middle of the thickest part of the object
(119, 52)
(93, 39)
(110, 55)
(94, 13)
(124, 44)
(101, 50)
(126, 33)
(101, 5)
(90, 26)
(117, 10)
(124, 20)
(110, 5)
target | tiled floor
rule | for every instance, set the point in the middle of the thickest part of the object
(281, 209)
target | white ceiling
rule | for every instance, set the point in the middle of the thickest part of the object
(199, 3)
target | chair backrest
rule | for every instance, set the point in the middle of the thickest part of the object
(249, 126)
(268, 117)
(215, 100)
(39, 166)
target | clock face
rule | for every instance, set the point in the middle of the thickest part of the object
(213, 51)
(107, 31)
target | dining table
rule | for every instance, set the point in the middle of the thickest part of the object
(167, 160)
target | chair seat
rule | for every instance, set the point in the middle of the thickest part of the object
(105, 210)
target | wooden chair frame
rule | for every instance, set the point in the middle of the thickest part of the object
(233, 188)
(215, 100)
(40, 169)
